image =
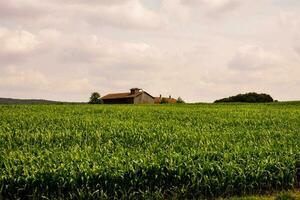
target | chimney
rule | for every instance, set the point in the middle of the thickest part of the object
(170, 97)
(134, 90)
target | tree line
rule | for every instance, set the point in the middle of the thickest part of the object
(250, 97)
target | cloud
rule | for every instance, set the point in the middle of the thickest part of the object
(213, 4)
(16, 46)
(17, 78)
(63, 50)
(17, 41)
(129, 14)
(289, 20)
(78, 85)
(297, 49)
(93, 2)
(18, 9)
(214, 8)
(253, 57)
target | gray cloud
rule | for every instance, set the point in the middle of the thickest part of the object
(19, 10)
(297, 49)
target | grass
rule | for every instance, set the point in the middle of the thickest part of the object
(148, 151)
(291, 195)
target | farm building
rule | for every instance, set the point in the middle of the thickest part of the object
(135, 96)
(160, 99)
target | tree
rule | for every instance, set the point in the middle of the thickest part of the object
(95, 98)
(251, 97)
(180, 100)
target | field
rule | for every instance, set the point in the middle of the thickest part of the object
(149, 151)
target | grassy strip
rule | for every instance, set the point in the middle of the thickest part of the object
(290, 195)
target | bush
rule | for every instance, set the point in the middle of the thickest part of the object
(251, 97)
(180, 100)
(95, 98)
(285, 196)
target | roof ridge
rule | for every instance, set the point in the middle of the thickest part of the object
(120, 95)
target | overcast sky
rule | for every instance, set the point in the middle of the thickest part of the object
(200, 50)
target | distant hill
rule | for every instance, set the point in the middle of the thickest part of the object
(31, 101)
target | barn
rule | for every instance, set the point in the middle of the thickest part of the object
(135, 96)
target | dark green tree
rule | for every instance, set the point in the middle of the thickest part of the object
(95, 98)
(250, 97)
(180, 100)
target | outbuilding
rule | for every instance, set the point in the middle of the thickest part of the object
(135, 96)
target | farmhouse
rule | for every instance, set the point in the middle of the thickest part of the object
(135, 96)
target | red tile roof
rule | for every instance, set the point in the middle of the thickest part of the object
(167, 100)
(171, 100)
(157, 100)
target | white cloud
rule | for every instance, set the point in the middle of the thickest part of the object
(253, 57)
(78, 85)
(129, 14)
(213, 4)
(214, 8)
(175, 10)
(17, 41)
(289, 20)
(93, 2)
(14, 77)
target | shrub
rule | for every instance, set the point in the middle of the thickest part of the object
(285, 196)
(95, 98)
(251, 97)
(180, 100)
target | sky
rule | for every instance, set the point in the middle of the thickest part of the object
(200, 50)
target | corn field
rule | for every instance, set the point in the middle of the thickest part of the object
(148, 151)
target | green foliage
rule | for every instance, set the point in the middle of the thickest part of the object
(251, 97)
(285, 196)
(180, 100)
(147, 151)
(95, 98)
